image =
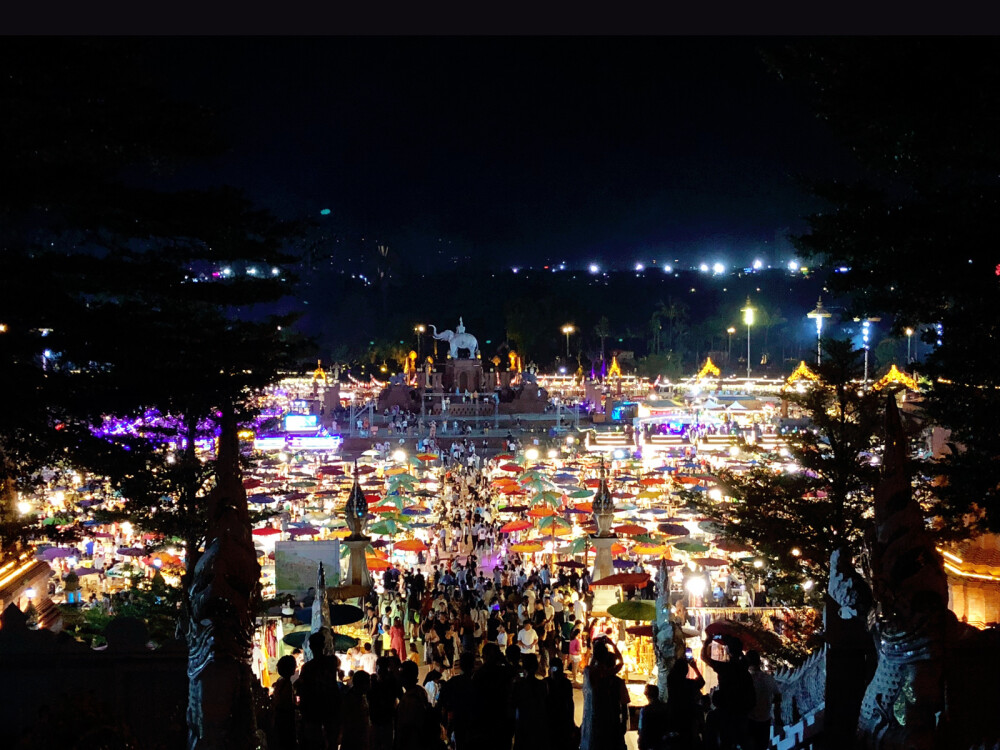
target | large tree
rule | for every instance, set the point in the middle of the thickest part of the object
(794, 510)
(915, 229)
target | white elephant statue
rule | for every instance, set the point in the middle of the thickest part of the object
(458, 339)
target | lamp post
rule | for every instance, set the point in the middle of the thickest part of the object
(909, 340)
(419, 330)
(567, 329)
(818, 314)
(748, 312)
(729, 351)
(865, 336)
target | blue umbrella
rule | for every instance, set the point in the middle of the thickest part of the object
(416, 510)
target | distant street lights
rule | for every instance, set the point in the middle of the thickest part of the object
(568, 329)
(909, 340)
(865, 336)
(748, 312)
(818, 314)
(419, 330)
(729, 351)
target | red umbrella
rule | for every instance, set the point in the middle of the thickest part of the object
(649, 481)
(622, 579)
(630, 529)
(592, 482)
(330, 470)
(519, 525)
(365, 469)
(373, 498)
(513, 508)
(510, 467)
(727, 546)
(251, 484)
(646, 630)
(749, 638)
(709, 562)
(504, 457)
(622, 495)
(266, 531)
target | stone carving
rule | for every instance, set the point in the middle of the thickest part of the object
(907, 692)
(803, 690)
(224, 592)
(458, 339)
(668, 635)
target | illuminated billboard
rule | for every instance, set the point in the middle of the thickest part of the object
(301, 422)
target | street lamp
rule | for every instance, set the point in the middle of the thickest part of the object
(818, 314)
(729, 351)
(909, 340)
(748, 312)
(419, 330)
(568, 329)
(865, 335)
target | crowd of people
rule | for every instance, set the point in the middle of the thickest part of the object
(474, 649)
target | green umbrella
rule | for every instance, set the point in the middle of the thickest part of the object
(581, 494)
(546, 496)
(388, 527)
(553, 522)
(580, 545)
(691, 546)
(643, 610)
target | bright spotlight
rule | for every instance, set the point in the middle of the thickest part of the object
(640, 267)
(793, 265)
(399, 456)
(718, 268)
(703, 268)
(552, 453)
(531, 454)
(758, 264)
(594, 268)
(668, 269)
(695, 585)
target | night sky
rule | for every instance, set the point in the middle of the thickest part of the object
(514, 151)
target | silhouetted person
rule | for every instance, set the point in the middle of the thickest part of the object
(531, 724)
(417, 727)
(653, 722)
(605, 700)
(684, 684)
(458, 703)
(356, 726)
(564, 734)
(734, 698)
(283, 707)
(385, 692)
(318, 688)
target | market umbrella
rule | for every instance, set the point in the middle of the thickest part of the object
(542, 511)
(547, 497)
(649, 481)
(630, 529)
(640, 630)
(526, 547)
(725, 545)
(513, 508)
(260, 499)
(585, 507)
(691, 546)
(750, 638)
(387, 527)
(672, 529)
(416, 510)
(622, 579)
(427, 456)
(375, 563)
(709, 562)
(554, 525)
(131, 552)
(581, 494)
(303, 531)
(53, 552)
(642, 610)
(251, 483)
(649, 549)
(411, 545)
(345, 614)
(510, 467)
(519, 525)
(504, 457)
(571, 564)
(266, 531)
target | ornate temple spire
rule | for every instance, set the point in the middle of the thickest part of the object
(356, 509)
(603, 505)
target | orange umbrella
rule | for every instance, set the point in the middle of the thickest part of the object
(375, 563)
(427, 456)
(687, 480)
(616, 549)
(542, 511)
(411, 545)
(631, 529)
(585, 507)
(519, 525)
(649, 481)
(526, 547)
(709, 562)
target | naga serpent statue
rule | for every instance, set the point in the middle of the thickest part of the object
(224, 594)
